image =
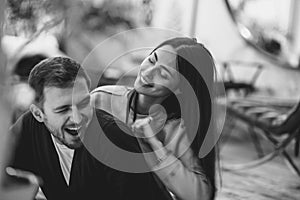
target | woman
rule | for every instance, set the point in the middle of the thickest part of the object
(169, 110)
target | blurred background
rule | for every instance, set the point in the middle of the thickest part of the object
(255, 44)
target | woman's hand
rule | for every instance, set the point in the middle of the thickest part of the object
(143, 128)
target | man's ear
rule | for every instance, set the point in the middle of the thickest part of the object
(37, 113)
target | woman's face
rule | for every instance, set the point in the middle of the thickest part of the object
(158, 75)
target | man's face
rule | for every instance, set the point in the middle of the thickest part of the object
(67, 112)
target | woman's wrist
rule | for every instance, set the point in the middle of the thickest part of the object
(162, 154)
(154, 143)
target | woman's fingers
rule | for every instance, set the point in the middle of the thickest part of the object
(148, 131)
(143, 125)
(140, 123)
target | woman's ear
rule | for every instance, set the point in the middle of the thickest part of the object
(37, 113)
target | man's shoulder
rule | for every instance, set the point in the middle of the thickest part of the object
(117, 131)
(25, 118)
(105, 118)
(102, 114)
(26, 123)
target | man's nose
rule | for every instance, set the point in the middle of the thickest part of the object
(76, 116)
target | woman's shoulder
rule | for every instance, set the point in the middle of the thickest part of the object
(118, 90)
(103, 94)
(112, 98)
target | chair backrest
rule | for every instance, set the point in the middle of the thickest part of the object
(291, 123)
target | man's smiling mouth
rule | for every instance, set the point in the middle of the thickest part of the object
(73, 130)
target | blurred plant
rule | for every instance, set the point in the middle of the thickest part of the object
(30, 16)
(148, 9)
(108, 15)
(114, 14)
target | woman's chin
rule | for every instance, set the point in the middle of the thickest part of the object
(138, 86)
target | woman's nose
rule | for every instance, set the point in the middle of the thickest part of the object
(150, 72)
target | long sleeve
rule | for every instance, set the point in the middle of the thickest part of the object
(177, 166)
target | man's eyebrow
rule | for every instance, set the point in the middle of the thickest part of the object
(61, 107)
(67, 106)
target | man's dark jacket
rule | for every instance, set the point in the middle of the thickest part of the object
(89, 178)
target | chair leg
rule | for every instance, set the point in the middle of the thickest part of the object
(289, 161)
(279, 150)
(256, 142)
(297, 144)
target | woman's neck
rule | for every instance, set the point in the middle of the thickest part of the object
(145, 102)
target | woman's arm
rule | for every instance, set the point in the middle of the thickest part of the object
(175, 164)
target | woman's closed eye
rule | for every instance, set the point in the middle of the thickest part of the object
(151, 60)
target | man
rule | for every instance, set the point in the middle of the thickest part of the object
(51, 139)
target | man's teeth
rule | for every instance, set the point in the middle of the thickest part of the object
(73, 128)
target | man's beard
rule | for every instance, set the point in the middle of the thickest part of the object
(70, 146)
(56, 134)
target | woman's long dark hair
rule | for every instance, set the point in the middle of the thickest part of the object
(196, 67)
(195, 64)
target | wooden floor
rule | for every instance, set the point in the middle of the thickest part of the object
(272, 180)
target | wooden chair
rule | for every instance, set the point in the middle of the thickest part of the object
(277, 121)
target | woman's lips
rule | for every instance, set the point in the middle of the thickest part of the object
(145, 82)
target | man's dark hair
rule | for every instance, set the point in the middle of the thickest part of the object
(60, 72)
(25, 65)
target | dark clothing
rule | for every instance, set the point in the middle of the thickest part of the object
(89, 178)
